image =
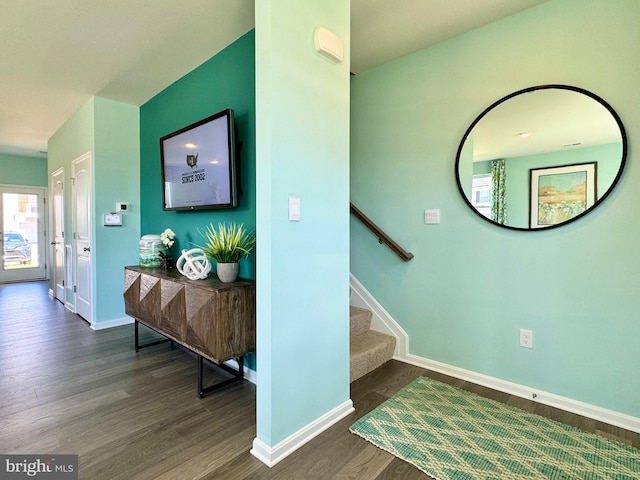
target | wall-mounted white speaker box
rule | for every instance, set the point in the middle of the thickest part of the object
(329, 44)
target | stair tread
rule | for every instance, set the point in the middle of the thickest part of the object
(370, 338)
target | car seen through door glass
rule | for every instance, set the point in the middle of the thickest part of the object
(16, 249)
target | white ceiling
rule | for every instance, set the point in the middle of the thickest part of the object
(553, 119)
(55, 55)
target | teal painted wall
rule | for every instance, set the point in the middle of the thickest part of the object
(224, 81)
(21, 170)
(302, 112)
(117, 179)
(471, 285)
(73, 139)
(110, 131)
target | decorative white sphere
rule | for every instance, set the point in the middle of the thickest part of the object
(194, 264)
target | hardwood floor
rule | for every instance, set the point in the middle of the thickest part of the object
(65, 388)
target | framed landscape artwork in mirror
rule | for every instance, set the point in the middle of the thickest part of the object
(559, 194)
(541, 157)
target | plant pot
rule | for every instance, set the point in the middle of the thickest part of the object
(227, 272)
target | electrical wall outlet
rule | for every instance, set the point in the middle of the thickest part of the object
(526, 338)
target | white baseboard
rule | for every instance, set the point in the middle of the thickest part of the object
(611, 417)
(249, 374)
(272, 455)
(116, 322)
(385, 323)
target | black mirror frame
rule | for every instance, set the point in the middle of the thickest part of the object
(527, 90)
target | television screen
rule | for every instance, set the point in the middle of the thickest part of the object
(198, 165)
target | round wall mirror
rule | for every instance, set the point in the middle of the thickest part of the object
(541, 157)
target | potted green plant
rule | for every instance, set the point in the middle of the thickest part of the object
(227, 245)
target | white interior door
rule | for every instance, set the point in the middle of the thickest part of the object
(82, 189)
(57, 234)
(22, 219)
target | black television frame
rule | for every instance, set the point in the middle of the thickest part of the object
(228, 176)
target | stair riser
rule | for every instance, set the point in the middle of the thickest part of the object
(370, 351)
(359, 321)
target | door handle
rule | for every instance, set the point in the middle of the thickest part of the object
(55, 243)
(86, 249)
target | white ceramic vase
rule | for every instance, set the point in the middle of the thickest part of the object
(227, 272)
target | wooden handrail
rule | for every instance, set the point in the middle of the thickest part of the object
(382, 237)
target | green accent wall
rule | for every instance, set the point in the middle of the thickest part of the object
(224, 81)
(472, 286)
(302, 112)
(22, 170)
(227, 80)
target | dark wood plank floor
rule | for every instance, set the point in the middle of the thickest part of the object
(65, 388)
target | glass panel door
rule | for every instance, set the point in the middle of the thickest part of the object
(23, 249)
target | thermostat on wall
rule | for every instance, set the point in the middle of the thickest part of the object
(113, 220)
(122, 207)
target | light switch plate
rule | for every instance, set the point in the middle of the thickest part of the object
(432, 216)
(294, 209)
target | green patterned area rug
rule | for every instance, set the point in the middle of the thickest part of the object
(451, 434)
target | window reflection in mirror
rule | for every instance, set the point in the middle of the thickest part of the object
(548, 136)
(481, 194)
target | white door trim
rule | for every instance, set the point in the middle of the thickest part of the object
(39, 272)
(57, 250)
(82, 226)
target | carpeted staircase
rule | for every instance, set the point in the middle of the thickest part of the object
(369, 349)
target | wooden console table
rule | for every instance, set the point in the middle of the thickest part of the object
(215, 320)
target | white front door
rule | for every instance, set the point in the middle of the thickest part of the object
(82, 235)
(22, 234)
(57, 234)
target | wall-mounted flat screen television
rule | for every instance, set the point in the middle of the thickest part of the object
(199, 166)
